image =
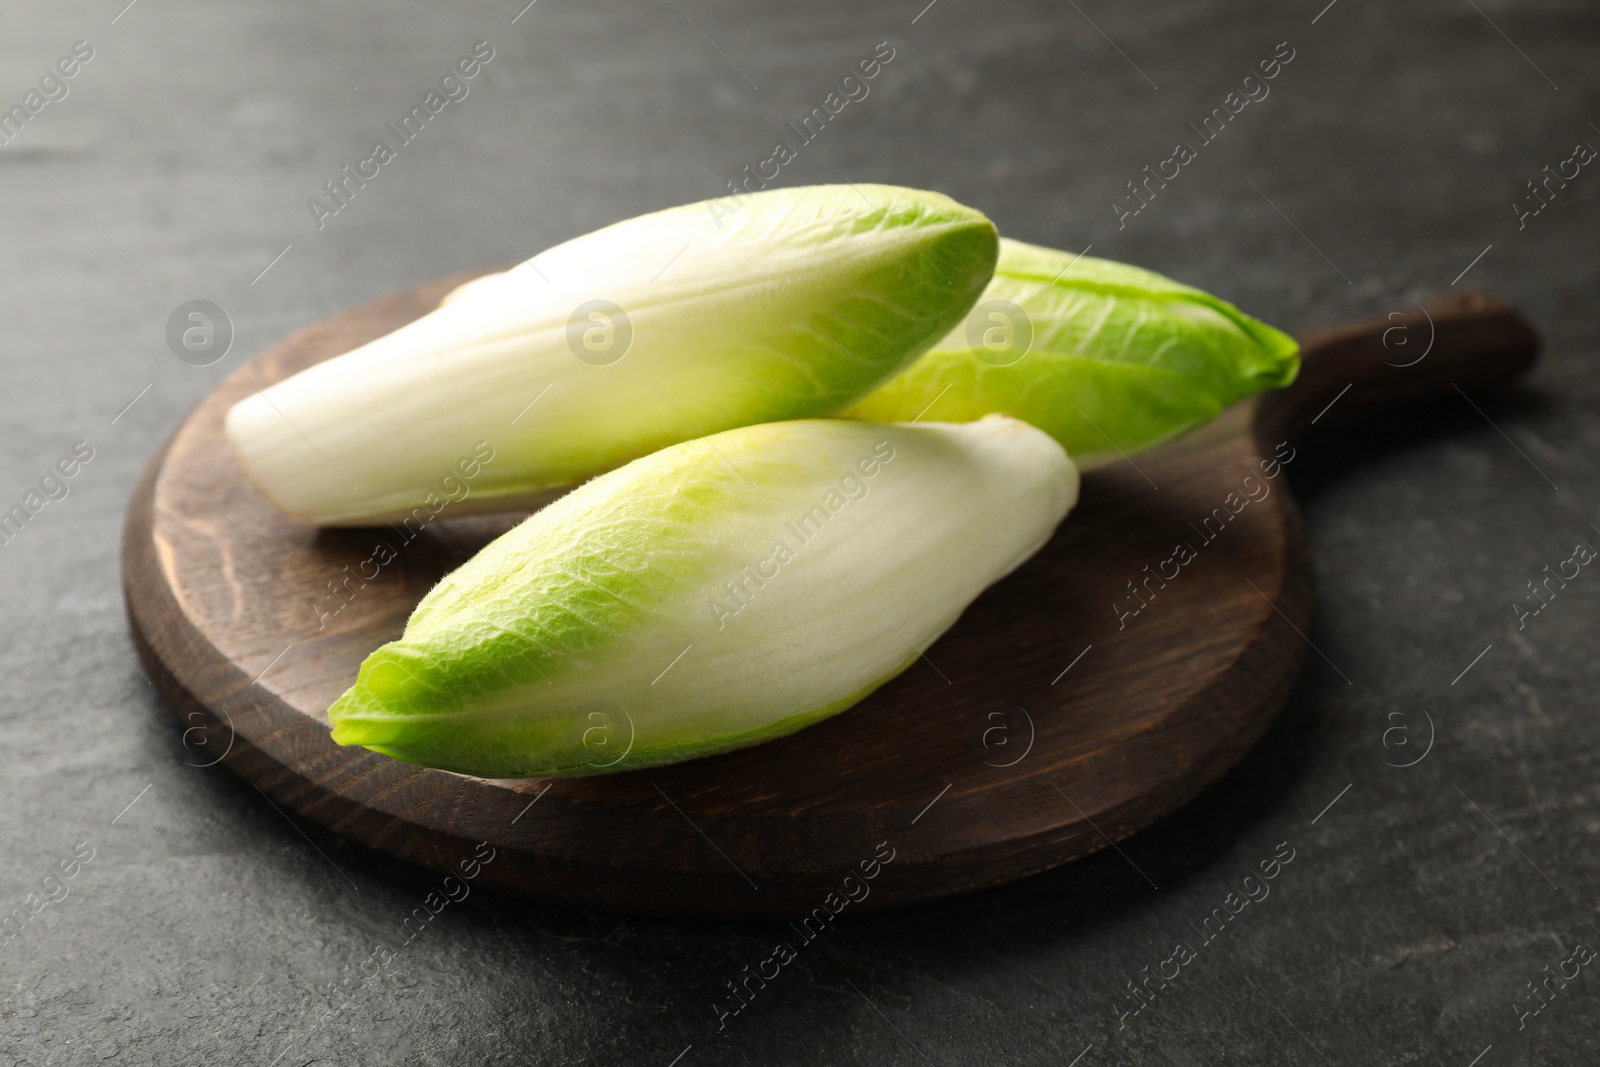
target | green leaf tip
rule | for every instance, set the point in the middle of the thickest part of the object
(1107, 358)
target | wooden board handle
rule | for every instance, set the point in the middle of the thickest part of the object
(1464, 338)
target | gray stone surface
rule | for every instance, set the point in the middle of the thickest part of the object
(208, 928)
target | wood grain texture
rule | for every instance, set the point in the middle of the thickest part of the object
(991, 767)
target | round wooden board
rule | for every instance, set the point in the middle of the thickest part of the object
(1049, 728)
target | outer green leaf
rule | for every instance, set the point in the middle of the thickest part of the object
(717, 593)
(1121, 358)
(797, 304)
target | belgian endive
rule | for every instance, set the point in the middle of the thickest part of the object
(714, 594)
(651, 331)
(1107, 358)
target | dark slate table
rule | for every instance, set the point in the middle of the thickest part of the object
(200, 925)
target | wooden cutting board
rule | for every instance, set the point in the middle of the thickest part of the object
(1099, 687)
